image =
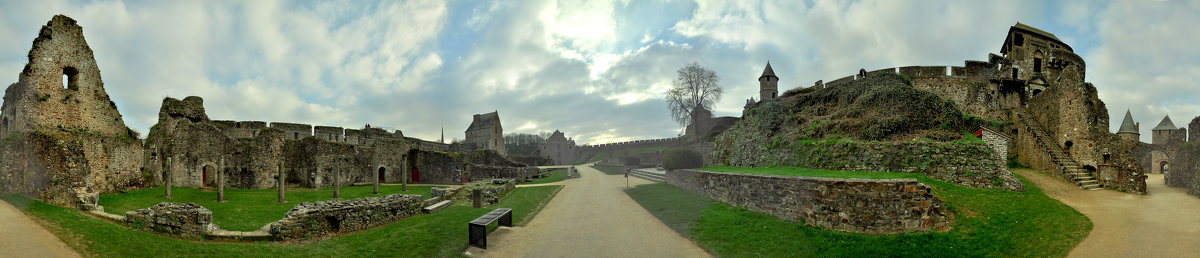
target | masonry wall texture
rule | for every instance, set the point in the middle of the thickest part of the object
(969, 164)
(322, 219)
(64, 145)
(183, 219)
(878, 206)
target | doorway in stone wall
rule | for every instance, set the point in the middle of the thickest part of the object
(416, 175)
(206, 175)
(382, 170)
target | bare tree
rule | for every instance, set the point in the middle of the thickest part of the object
(696, 87)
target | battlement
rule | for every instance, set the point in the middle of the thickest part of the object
(293, 131)
(329, 133)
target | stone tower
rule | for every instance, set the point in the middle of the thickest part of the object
(1166, 132)
(768, 84)
(1129, 130)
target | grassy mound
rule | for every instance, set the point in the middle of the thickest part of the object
(879, 107)
(988, 223)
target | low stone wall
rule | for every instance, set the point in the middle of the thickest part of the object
(969, 164)
(320, 219)
(872, 206)
(184, 219)
(493, 189)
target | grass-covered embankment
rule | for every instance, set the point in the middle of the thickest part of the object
(244, 209)
(987, 223)
(432, 235)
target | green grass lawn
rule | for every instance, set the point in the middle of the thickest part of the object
(987, 223)
(244, 209)
(434, 235)
(555, 176)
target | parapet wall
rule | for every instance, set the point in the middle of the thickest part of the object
(322, 219)
(871, 206)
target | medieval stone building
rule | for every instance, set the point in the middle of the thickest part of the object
(1058, 123)
(485, 132)
(65, 142)
(559, 149)
(768, 84)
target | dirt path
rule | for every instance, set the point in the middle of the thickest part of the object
(591, 217)
(1163, 223)
(20, 236)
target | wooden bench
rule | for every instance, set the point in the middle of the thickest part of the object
(478, 227)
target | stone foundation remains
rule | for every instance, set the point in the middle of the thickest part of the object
(184, 219)
(871, 206)
(321, 219)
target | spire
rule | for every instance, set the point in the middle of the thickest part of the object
(768, 71)
(1166, 124)
(1127, 126)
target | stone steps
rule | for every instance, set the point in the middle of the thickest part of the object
(436, 207)
(1068, 166)
(655, 177)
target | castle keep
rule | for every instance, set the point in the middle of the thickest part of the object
(1058, 124)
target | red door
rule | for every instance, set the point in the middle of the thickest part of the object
(204, 177)
(416, 175)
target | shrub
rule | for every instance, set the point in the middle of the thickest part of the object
(631, 161)
(680, 158)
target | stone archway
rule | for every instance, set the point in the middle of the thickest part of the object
(382, 174)
(1158, 159)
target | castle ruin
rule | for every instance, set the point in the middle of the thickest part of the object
(65, 142)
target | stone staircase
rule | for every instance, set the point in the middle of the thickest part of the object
(647, 174)
(1069, 168)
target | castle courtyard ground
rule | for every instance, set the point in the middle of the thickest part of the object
(20, 236)
(591, 217)
(1163, 223)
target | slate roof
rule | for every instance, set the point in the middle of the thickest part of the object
(768, 71)
(1127, 126)
(483, 121)
(1166, 124)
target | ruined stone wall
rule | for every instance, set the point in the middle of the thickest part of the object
(871, 206)
(182, 219)
(64, 144)
(329, 133)
(436, 167)
(312, 162)
(492, 190)
(323, 219)
(971, 95)
(293, 131)
(485, 171)
(969, 164)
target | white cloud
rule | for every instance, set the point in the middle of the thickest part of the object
(1145, 62)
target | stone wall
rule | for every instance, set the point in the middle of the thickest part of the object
(65, 141)
(493, 189)
(485, 171)
(970, 164)
(872, 206)
(184, 219)
(322, 219)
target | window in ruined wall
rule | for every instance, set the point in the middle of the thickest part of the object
(70, 77)
(1018, 39)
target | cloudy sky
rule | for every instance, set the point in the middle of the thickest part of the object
(596, 70)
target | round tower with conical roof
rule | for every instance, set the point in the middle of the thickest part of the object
(768, 84)
(1129, 130)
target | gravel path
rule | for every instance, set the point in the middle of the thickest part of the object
(20, 236)
(591, 217)
(1163, 223)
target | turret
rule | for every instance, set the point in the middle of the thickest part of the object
(1129, 130)
(768, 84)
